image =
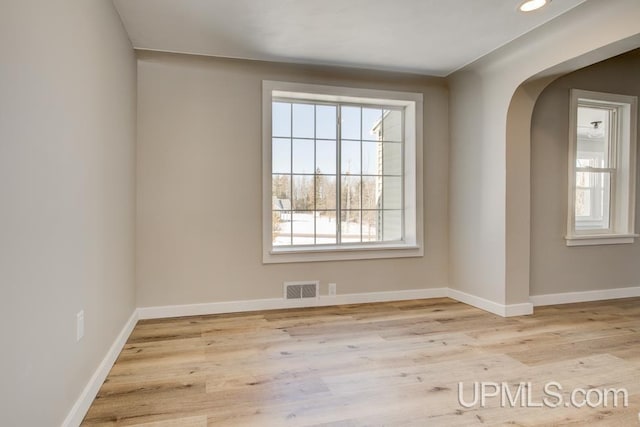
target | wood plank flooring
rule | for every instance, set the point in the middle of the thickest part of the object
(382, 364)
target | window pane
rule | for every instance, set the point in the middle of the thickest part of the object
(350, 157)
(350, 198)
(371, 156)
(303, 156)
(370, 226)
(281, 155)
(371, 191)
(302, 228)
(309, 156)
(392, 158)
(392, 225)
(593, 199)
(583, 203)
(350, 226)
(281, 192)
(350, 123)
(281, 228)
(303, 192)
(326, 227)
(326, 121)
(326, 157)
(281, 119)
(325, 192)
(371, 124)
(392, 193)
(303, 123)
(593, 137)
(392, 125)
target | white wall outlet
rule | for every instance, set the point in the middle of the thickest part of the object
(79, 325)
(332, 289)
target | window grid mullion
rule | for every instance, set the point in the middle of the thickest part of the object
(361, 182)
(291, 175)
(338, 174)
(596, 170)
(402, 170)
(315, 170)
(382, 214)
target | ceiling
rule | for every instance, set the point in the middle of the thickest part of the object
(434, 37)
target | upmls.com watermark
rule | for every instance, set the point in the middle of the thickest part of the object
(551, 395)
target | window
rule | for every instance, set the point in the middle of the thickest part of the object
(602, 163)
(341, 173)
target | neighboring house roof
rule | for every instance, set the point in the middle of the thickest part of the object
(282, 204)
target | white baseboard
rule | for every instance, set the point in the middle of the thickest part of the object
(279, 303)
(160, 312)
(585, 296)
(522, 309)
(504, 310)
(80, 408)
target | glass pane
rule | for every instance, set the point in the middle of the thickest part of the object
(392, 125)
(392, 158)
(371, 156)
(303, 156)
(303, 192)
(583, 203)
(281, 228)
(593, 200)
(370, 226)
(281, 192)
(326, 121)
(371, 191)
(326, 157)
(350, 192)
(350, 157)
(281, 119)
(326, 227)
(392, 193)
(392, 225)
(371, 124)
(281, 155)
(303, 123)
(302, 228)
(350, 226)
(325, 192)
(350, 123)
(593, 137)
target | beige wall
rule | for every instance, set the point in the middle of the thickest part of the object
(554, 266)
(67, 132)
(199, 183)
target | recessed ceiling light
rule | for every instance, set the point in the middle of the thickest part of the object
(531, 5)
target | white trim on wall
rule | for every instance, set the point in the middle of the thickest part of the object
(280, 303)
(504, 310)
(80, 408)
(585, 296)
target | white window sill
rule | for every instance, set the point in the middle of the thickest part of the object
(341, 253)
(600, 239)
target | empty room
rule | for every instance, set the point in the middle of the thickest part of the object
(319, 213)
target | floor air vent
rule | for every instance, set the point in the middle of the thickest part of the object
(301, 290)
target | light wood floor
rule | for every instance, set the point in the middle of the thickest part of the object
(391, 364)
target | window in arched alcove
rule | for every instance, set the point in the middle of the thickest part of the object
(602, 169)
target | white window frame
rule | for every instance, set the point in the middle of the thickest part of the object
(412, 244)
(621, 228)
